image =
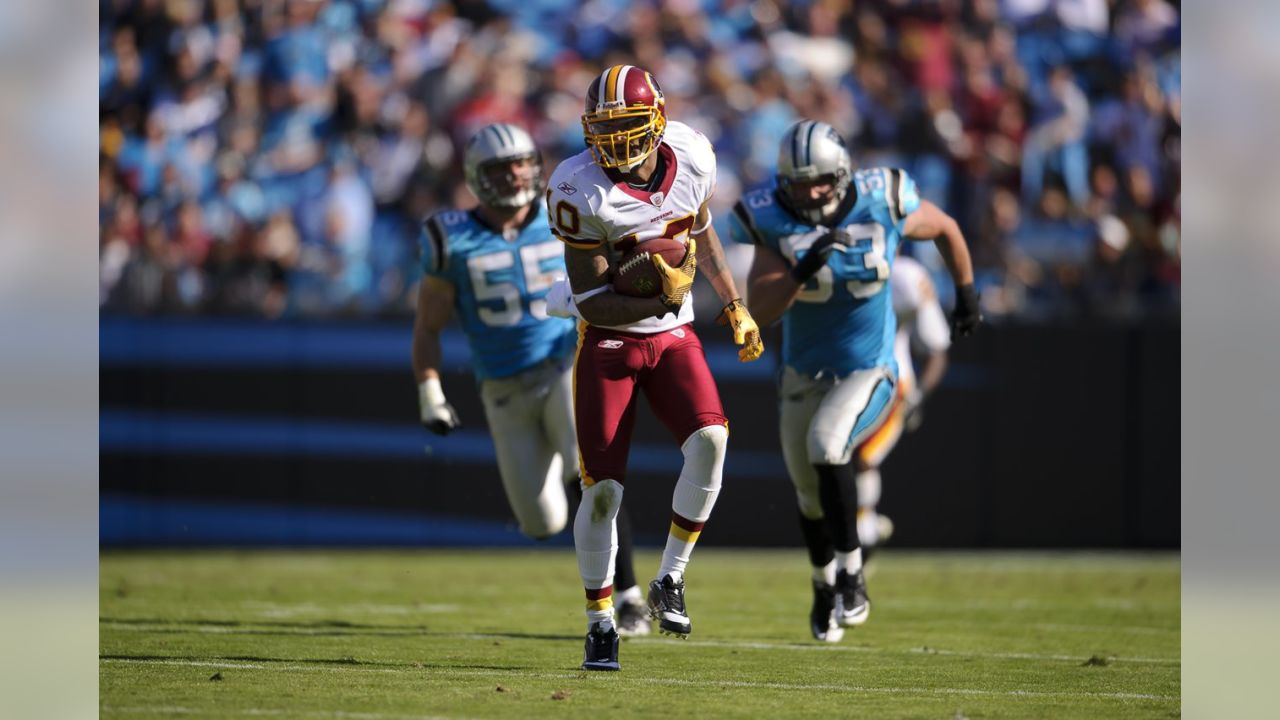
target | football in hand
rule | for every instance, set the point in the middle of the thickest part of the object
(636, 276)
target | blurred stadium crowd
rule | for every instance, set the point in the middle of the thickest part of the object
(275, 157)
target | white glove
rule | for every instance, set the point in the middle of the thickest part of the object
(560, 300)
(437, 414)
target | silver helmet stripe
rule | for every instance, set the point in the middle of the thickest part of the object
(808, 144)
(795, 146)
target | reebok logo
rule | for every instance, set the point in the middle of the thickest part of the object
(678, 332)
(610, 344)
(566, 188)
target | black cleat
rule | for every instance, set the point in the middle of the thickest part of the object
(633, 619)
(852, 604)
(822, 617)
(666, 605)
(601, 650)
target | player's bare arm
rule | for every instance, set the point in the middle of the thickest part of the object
(929, 222)
(710, 255)
(770, 286)
(932, 368)
(588, 272)
(711, 258)
(435, 306)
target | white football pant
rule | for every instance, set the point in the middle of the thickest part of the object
(823, 420)
(531, 419)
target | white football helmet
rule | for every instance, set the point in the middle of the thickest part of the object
(813, 152)
(486, 164)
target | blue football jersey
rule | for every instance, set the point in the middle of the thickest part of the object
(501, 289)
(843, 318)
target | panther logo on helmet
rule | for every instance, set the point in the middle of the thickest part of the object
(625, 118)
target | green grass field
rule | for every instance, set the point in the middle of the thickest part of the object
(453, 634)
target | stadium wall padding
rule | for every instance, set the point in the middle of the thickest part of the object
(230, 432)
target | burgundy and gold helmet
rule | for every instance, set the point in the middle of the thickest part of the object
(625, 117)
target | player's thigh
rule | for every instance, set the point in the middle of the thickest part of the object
(848, 414)
(604, 388)
(558, 423)
(797, 402)
(680, 387)
(524, 458)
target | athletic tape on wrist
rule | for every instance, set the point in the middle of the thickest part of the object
(578, 298)
(430, 394)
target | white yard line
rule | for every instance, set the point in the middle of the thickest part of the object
(264, 712)
(917, 651)
(852, 689)
(743, 645)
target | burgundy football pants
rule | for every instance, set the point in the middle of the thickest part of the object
(611, 365)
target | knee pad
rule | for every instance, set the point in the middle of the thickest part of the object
(828, 448)
(600, 503)
(704, 452)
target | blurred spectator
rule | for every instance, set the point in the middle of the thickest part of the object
(276, 157)
(1056, 140)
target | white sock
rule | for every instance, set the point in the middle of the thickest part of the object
(595, 540)
(630, 596)
(868, 488)
(825, 573)
(868, 527)
(850, 562)
(694, 496)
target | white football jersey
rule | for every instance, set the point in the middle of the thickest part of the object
(587, 209)
(920, 317)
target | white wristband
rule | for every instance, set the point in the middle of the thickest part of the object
(702, 229)
(430, 394)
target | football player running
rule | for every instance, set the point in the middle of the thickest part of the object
(641, 177)
(922, 328)
(826, 238)
(493, 266)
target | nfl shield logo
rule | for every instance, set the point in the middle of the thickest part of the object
(657, 198)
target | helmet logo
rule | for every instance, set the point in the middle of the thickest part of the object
(657, 198)
(566, 188)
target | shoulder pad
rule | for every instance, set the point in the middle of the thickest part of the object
(744, 212)
(891, 188)
(433, 240)
(568, 202)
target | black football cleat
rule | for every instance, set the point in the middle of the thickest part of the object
(852, 604)
(666, 605)
(822, 616)
(601, 651)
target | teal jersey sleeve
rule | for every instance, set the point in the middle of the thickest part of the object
(432, 247)
(433, 241)
(759, 220)
(891, 193)
(742, 226)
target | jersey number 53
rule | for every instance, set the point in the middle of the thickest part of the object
(863, 268)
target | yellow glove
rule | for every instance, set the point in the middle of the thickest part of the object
(745, 330)
(676, 281)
